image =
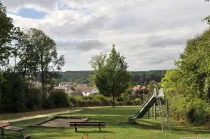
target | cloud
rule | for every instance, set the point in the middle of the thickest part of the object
(160, 41)
(149, 33)
(81, 46)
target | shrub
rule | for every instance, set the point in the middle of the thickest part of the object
(59, 99)
(33, 99)
(177, 106)
(197, 111)
(129, 102)
(137, 101)
(12, 94)
(105, 101)
(74, 100)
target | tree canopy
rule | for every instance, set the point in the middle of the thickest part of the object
(189, 83)
(111, 75)
(6, 27)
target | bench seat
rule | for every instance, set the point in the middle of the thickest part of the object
(16, 129)
(76, 125)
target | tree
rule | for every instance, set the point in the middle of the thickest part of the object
(5, 36)
(39, 54)
(111, 77)
(195, 64)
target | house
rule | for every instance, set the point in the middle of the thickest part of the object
(141, 89)
(87, 90)
(76, 94)
(82, 85)
(64, 88)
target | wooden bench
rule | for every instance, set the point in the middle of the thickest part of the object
(2, 125)
(16, 129)
(76, 125)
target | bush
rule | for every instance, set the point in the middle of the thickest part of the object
(137, 101)
(74, 100)
(197, 112)
(177, 105)
(12, 93)
(59, 99)
(105, 101)
(190, 109)
(33, 99)
(129, 102)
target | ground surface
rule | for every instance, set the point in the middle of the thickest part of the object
(117, 127)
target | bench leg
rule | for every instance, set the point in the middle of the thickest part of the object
(75, 129)
(2, 131)
(21, 133)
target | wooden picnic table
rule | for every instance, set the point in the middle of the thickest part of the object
(2, 125)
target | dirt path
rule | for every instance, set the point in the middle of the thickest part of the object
(40, 116)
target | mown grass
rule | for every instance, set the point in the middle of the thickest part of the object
(117, 127)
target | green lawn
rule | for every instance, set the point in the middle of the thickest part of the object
(117, 127)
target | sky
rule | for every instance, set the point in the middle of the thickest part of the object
(151, 34)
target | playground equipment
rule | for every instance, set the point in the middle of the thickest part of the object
(156, 98)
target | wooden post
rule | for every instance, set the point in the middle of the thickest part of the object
(99, 126)
(75, 126)
(2, 131)
(155, 112)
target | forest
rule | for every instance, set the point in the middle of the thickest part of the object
(138, 77)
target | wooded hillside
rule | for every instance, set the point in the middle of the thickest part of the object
(140, 77)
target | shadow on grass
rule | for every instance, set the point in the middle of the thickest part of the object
(97, 132)
(195, 130)
(147, 125)
(176, 128)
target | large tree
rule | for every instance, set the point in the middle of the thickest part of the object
(6, 27)
(39, 55)
(111, 75)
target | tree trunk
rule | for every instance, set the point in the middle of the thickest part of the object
(42, 76)
(113, 100)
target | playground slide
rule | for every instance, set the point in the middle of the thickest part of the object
(150, 102)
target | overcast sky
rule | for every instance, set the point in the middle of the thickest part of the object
(149, 33)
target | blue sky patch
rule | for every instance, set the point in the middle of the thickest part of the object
(31, 13)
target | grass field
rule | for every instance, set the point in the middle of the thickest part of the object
(117, 127)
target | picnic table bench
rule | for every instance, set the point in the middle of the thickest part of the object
(16, 129)
(2, 125)
(76, 125)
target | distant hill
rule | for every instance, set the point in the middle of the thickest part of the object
(139, 77)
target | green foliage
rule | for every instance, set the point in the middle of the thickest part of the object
(144, 77)
(100, 100)
(189, 108)
(112, 77)
(177, 103)
(151, 86)
(195, 65)
(174, 82)
(88, 77)
(33, 98)
(188, 86)
(79, 77)
(12, 94)
(137, 101)
(105, 101)
(6, 27)
(197, 111)
(59, 99)
(38, 53)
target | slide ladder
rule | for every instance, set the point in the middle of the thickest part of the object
(164, 114)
